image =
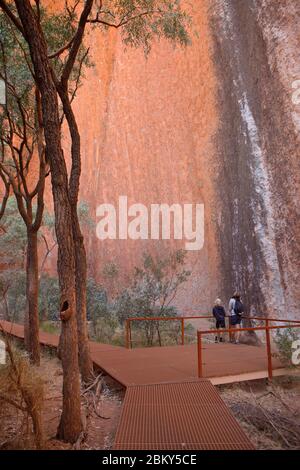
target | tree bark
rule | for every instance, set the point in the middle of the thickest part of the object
(6, 307)
(32, 288)
(70, 425)
(85, 362)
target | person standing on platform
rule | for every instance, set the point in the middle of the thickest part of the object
(236, 310)
(219, 314)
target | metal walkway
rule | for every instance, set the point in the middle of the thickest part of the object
(223, 362)
(178, 416)
(184, 413)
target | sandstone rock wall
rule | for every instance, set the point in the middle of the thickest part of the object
(147, 128)
(214, 123)
(256, 44)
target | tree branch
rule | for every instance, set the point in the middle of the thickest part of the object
(48, 251)
(62, 49)
(76, 43)
(6, 195)
(123, 22)
(15, 20)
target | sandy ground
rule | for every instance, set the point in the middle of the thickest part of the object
(100, 432)
(268, 413)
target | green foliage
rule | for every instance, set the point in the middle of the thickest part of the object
(110, 270)
(104, 330)
(59, 28)
(84, 215)
(104, 323)
(13, 248)
(50, 327)
(19, 119)
(154, 288)
(141, 21)
(49, 220)
(14, 69)
(97, 302)
(284, 339)
(13, 293)
(13, 236)
(49, 298)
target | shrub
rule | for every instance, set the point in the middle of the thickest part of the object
(21, 388)
(284, 339)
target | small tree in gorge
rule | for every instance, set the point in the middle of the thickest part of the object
(154, 289)
(140, 21)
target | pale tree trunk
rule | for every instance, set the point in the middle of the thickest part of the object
(70, 424)
(32, 288)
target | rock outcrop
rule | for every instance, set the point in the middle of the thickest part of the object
(216, 123)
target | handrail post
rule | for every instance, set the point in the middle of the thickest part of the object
(182, 331)
(200, 366)
(127, 332)
(231, 334)
(130, 338)
(270, 369)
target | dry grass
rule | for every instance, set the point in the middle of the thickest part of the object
(21, 395)
(16, 430)
(269, 414)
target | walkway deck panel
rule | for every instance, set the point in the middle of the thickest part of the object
(178, 416)
(166, 406)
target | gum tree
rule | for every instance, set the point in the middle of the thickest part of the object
(140, 21)
(22, 147)
(20, 139)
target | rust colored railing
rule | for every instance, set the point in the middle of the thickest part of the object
(128, 322)
(231, 331)
(128, 333)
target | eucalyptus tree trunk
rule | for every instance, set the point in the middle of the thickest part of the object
(32, 289)
(85, 362)
(70, 424)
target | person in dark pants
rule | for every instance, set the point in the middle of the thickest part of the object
(219, 314)
(236, 310)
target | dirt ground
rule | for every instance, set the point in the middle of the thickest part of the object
(268, 413)
(100, 432)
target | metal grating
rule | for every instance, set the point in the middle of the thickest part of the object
(181, 416)
(165, 416)
(168, 364)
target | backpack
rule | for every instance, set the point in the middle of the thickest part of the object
(238, 307)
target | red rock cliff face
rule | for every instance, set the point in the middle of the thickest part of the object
(257, 160)
(214, 123)
(147, 129)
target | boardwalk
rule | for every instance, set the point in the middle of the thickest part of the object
(178, 416)
(223, 362)
(166, 405)
(179, 363)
